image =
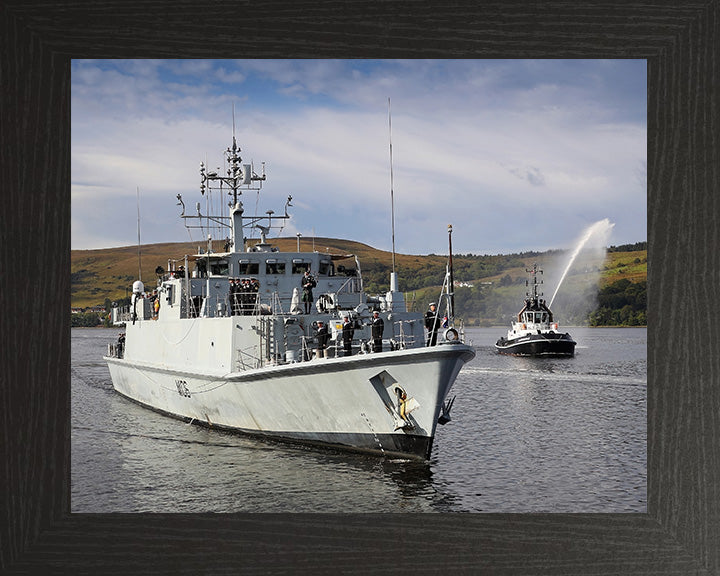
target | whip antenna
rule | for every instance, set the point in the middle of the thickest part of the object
(233, 115)
(139, 258)
(392, 199)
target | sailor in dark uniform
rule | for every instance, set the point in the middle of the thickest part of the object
(377, 328)
(308, 283)
(244, 300)
(347, 335)
(121, 345)
(432, 323)
(322, 336)
(232, 292)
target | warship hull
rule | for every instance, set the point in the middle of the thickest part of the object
(349, 403)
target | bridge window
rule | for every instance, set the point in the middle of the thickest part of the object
(326, 268)
(299, 267)
(274, 267)
(248, 269)
(219, 268)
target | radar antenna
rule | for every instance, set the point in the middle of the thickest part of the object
(236, 177)
(263, 232)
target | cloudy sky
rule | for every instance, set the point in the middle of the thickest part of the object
(516, 154)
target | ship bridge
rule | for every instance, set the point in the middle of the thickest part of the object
(257, 282)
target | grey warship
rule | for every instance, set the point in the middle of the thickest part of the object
(238, 339)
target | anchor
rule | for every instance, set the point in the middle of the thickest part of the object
(444, 417)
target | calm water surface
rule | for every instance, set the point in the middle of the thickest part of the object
(527, 435)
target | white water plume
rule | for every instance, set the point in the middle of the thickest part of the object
(594, 238)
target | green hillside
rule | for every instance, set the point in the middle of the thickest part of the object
(489, 288)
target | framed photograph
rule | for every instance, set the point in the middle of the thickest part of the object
(39, 530)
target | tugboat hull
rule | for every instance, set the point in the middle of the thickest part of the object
(535, 333)
(550, 344)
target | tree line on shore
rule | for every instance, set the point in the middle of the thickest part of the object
(622, 303)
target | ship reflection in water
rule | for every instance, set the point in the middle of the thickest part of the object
(177, 467)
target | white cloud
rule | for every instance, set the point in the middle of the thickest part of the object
(478, 144)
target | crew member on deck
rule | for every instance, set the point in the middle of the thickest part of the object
(308, 283)
(377, 328)
(244, 296)
(322, 336)
(432, 323)
(156, 304)
(121, 344)
(347, 335)
(232, 293)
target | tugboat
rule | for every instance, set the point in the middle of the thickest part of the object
(535, 333)
(283, 345)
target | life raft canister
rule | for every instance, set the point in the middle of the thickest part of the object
(451, 335)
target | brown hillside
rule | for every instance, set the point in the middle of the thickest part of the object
(110, 272)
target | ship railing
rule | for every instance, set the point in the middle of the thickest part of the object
(252, 304)
(214, 306)
(352, 285)
(276, 305)
(221, 306)
(253, 361)
(116, 350)
(244, 304)
(308, 347)
(336, 348)
(124, 314)
(404, 338)
(193, 308)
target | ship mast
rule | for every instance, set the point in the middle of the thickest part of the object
(238, 177)
(534, 272)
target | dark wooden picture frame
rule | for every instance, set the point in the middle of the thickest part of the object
(680, 534)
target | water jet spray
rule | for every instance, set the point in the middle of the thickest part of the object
(601, 231)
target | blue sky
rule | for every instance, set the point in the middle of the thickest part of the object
(516, 154)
